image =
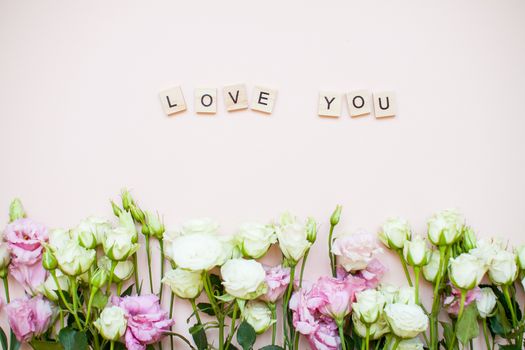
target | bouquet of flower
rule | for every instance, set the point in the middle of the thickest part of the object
(84, 289)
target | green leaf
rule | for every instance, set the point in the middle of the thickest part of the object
(448, 334)
(246, 336)
(3, 339)
(14, 343)
(272, 347)
(99, 300)
(468, 324)
(216, 284)
(199, 336)
(46, 345)
(499, 323)
(206, 308)
(72, 339)
(510, 347)
(231, 347)
(128, 291)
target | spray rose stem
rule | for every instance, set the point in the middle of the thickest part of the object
(334, 220)
(6, 288)
(162, 257)
(405, 267)
(274, 319)
(148, 254)
(286, 300)
(443, 262)
(460, 313)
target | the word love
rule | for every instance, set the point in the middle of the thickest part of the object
(359, 104)
(205, 99)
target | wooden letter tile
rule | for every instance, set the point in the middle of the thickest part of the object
(385, 104)
(263, 99)
(206, 101)
(235, 97)
(359, 102)
(329, 104)
(172, 100)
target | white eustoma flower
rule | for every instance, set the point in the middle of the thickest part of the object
(486, 302)
(406, 321)
(123, 270)
(376, 329)
(255, 239)
(185, 284)
(244, 279)
(73, 259)
(369, 305)
(394, 233)
(445, 227)
(258, 315)
(118, 244)
(415, 251)
(197, 251)
(405, 295)
(503, 269)
(466, 271)
(431, 269)
(293, 238)
(111, 323)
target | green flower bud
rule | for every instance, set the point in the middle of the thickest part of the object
(137, 214)
(116, 208)
(3, 272)
(469, 239)
(145, 230)
(127, 200)
(311, 230)
(99, 278)
(334, 219)
(155, 225)
(49, 262)
(16, 210)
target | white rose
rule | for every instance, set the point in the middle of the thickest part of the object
(394, 233)
(520, 256)
(73, 259)
(487, 250)
(293, 239)
(230, 250)
(200, 226)
(416, 252)
(118, 244)
(58, 238)
(503, 269)
(405, 295)
(255, 239)
(466, 271)
(196, 252)
(355, 251)
(50, 288)
(406, 321)
(409, 344)
(91, 231)
(486, 302)
(389, 292)
(445, 227)
(112, 323)
(127, 224)
(369, 305)
(244, 279)
(184, 283)
(5, 256)
(377, 329)
(123, 269)
(430, 270)
(258, 315)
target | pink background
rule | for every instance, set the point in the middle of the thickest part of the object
(80, 116)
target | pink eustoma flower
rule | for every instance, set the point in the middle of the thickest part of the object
(372, 274)
(326, 336)
(147, 322)
(29, 318)
(452, 301)
(277, 279)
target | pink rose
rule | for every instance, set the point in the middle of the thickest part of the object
(372, 274)
(452, 301)
(30, 318)
(326, 336)
(277, 279)
(356, 251)
(335, 296)
(24, 239)
(147, 322)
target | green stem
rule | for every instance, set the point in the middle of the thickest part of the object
(303, 264)
(136, 273)
(396, 343)
(161, 246)
(148, 253)
(286, 300)
(274, 320)
(220, 318)
(367, 338)
(111, 345)
(6, 288)
(195, 311)
(91, 297)
(506, 293)
(232, 325)
(330, 254)
(460, 314)
(66, 304)
(341, 334)
(119, 288)
(73, 283)
(405, 268)
(110, 279)
(416, 283)
(172, 299)
(485, 333)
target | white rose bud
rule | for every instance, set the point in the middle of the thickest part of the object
(244, 279)
(406, 321)
(50, 288)
(119, 245)
(258, 315)
(466, 271)
(416, 252)
(409, 344)
(520, 256)
(185, 284)
(486, 302)
(430, 270)
(376, 329)
(445, 228)
(293, 238)
(394, 233)
(503, 269)
(112, 323)
(73, 259)
(200, 226)
(126, 223)
(405, 295)
(123, 270)
(255, 239)
(369, 305)
(196, 252)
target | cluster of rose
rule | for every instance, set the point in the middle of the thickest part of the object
(83, 288)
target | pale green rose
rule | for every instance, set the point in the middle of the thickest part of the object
(408, 344)
(486, 302)
(50, 289)
(258, 315)
(118, 245)
(73, 259)
(445, 227)
(503, 269)
(406, 321)
(197, 252)
(91, 231)
(200, 226)
(185, 284)
(487, 249)
(369, 305)
(466, 271)
(377, 329)
(255, 239)
(112, 323)
(123, 270)
(243, 279)
(389, 291)
(293, 238)
(405, 295)
(127, 224)
(431, 269)
(394, 233)
(416, 252)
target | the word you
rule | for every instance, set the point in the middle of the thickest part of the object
(359, 103)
